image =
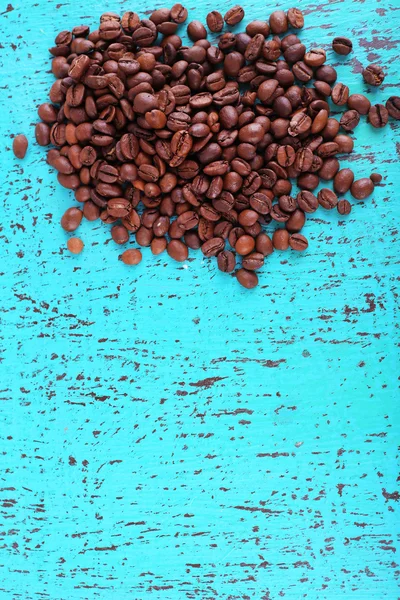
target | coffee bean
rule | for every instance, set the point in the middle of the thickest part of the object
(215, 21)
(307, 201)
(119, 234)
(343, 180)
(315, 57)
(349, 120)
(298, 242)
(278, 22)
(177, 250)
(75, 245)
(248, 279)
(375, 178)
(373, 75)
(133, 256)
(393, 107)
(378, 115)
(234, 15)
(296, 221)
(362, 188)
(42, 134)
(280, 239)
(359, 103)
(71, 219)
(342, 45)
(327, 198)
(20, 146)
(295, 18)
(344, 207)
(253, 261)
(340, 94)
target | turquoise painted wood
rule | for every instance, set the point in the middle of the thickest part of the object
(168, 435)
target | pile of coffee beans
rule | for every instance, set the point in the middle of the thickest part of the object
(189, 147)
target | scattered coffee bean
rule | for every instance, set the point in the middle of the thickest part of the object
(344, 207)
(342, 45)
(373, 75)
(378, 115)
(248, 279)
(75, 245)
(375, 178)
(20, 146)
(362, 188)
(298, 242)
(196, 146)
(133, 256)
(393, 107)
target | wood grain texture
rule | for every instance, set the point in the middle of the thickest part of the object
(168, 435)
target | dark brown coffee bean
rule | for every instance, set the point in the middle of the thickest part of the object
(247, 279)
(42, 134)
(278, 22)
(287, 203)
(299, 124)
(344, 207)
(343, 181)
(295, 18)
(307, 201)
(340, 94)
(296, 221)
(253, 261)
(215, 21)
(359, 103)
(327, 198)
(342, 45)
(344, 142)
(298, 242)
(280, 239)
(393, 107)
(362, 188)
(20, 146)
(234, 15)
(177, 250)
(373, 75)
(71, 219)
(226, 261)
(196, 31)
(378, 115)
(375, 178)
(213, 246)
(349, 120)
(264, 244)
(315, 57)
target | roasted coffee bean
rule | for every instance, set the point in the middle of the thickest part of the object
(375, 178)
(344, 207)
(20, 146)
(359, 103)
(298, 242)
(315, 57)
(278, 22)
(264, 244)
(362, 188)
(177, 250)
(42, 134)
(75, 245)
(226, 261)
(253, 261)
(378, 115)
(340, 94)
(234, 15)
(342, 45)
(280, 239)
(287, 203)
(71, 219)
(327, 198)
(307, 201)
(344, 142)
(133, 256)
(343, 181)
(349, 120)
(373, 75)
(215, 21)
(296, 221)
(295, 18)
(247, 279)
(393, 107)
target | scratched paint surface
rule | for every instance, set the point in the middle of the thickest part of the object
(166, 434)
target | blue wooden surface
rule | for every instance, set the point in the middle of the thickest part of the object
(167, 434)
